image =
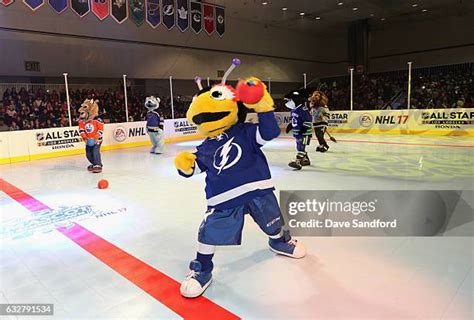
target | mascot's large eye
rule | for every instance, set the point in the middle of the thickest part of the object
(220, 92)
(216, 94)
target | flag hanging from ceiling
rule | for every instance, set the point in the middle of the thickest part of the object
(137, 11)
(100, 8)
(182, 17)
(33, 4)
(153, 13)
(168, 12)
(119, 10)
(220, 20)
(196, 16)
(80, 7)
(7, 2)
(209, 24)
(58, 5)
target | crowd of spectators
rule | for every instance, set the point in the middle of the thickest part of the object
(37, 109)
(23, 109)
(429, 90)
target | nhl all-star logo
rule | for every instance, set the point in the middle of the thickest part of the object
(227, 155)
(168, 10)
(40, 136)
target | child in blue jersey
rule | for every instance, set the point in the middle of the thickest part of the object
(238, 179)
(302, 126)
(154, 126)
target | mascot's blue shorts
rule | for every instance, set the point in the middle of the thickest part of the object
(224, 227)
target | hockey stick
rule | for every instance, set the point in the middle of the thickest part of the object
(330, 137)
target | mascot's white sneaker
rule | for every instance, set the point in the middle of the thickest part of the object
(196, 281)
(287, 246)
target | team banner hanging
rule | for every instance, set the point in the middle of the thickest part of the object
(58, 5)
(220, 20)
(100, 8)
(7, 2)
(168, 10)
(80, 7)
(209, 24)
(182, 8)
(119, 10)
(137, 11)
(153, 15)
(196, 16)
(33, 4)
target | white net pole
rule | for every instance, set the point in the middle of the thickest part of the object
(304, 80)
(208, 82)
(352, 89)
(172, 100)
(67, 99)
(125, 96)
(270, 85)
(409, 85)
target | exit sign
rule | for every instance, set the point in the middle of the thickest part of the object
(32, 66)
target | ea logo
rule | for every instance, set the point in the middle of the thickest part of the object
(120, 134)
(227, 155)
(365, 120)
(89, 127)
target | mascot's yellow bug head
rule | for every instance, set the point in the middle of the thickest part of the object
(216, 109)
(89, 109)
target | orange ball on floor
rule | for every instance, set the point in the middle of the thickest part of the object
(103, 184)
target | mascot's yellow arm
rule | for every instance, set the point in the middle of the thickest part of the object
(184, 162)
(265, 104)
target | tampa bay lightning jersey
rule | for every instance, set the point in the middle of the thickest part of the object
(301, 121)
(152, 120)
(235, 166)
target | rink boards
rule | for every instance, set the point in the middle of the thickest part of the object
(453, 122)
(46, 143)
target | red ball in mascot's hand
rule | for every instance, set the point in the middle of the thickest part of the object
(250, 91)
(103, 184)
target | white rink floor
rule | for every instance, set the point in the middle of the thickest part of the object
(153, 214)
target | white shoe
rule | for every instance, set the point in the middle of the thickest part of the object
(287, 246)
(196, 281)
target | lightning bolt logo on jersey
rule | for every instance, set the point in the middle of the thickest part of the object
(235, 166)
(227, 155)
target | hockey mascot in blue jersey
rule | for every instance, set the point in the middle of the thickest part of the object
(154, 126)
(238, 179)
(301, 125)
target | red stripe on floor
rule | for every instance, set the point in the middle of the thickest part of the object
(401, 143)
(155, 283)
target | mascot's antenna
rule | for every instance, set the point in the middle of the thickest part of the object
(198, 82)
(235, 63)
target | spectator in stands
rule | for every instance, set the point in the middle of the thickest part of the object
(3, 126)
